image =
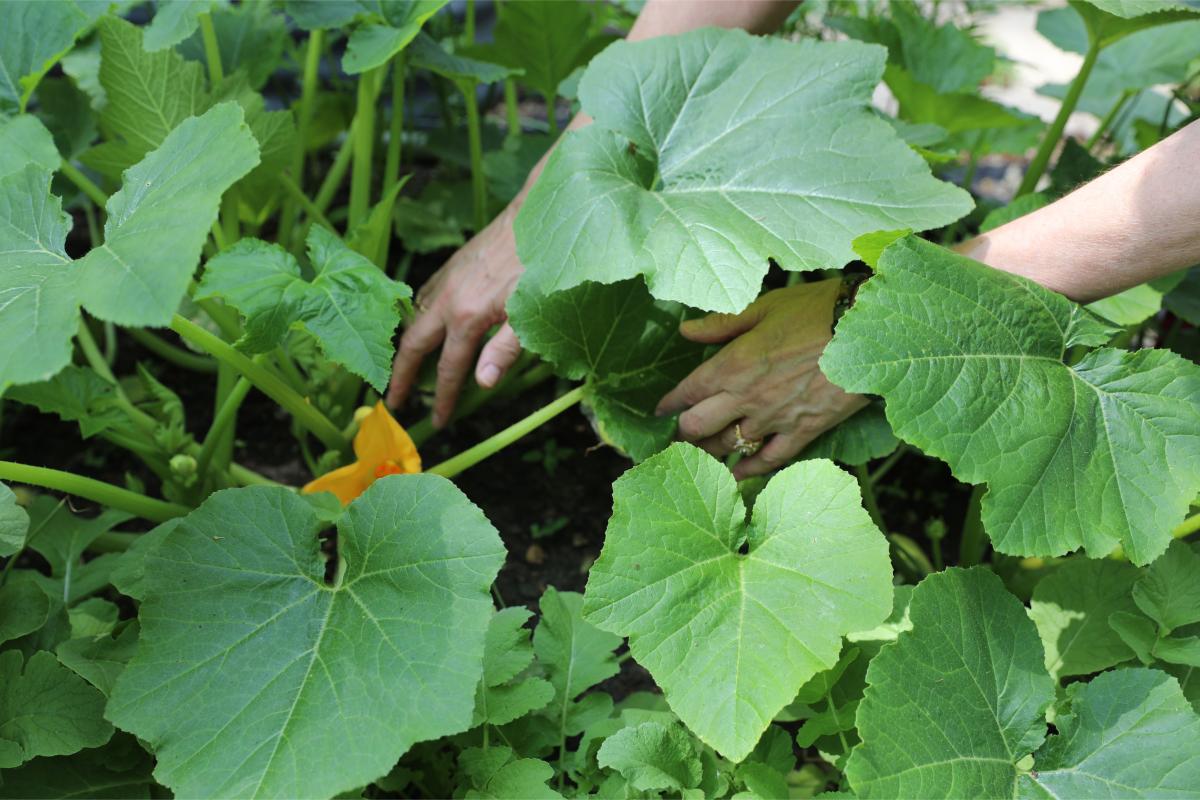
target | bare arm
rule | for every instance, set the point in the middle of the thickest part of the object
(1133, 224)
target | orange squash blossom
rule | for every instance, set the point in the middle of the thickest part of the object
(381, 447)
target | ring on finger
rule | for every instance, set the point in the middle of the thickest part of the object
(747, 447)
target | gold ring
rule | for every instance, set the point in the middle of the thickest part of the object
(747, 447)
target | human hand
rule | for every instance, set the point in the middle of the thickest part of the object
(455, 309)
(765, 381)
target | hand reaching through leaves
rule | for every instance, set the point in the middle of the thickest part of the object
(765, 383)
(455, 309)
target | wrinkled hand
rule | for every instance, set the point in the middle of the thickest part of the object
(455, 309)
(765, 381)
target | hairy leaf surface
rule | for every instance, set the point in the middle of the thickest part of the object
(714, 151)
(1093, 455)
(350, 306)
(387, 654)
(731, 637)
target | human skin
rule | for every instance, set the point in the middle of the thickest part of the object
(464, 299)
(1135, 223)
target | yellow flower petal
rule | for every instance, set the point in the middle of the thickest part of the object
(381, 447)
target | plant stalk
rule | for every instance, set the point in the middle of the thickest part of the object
(472, 456)
(475, 143)
(391, 164)
(223, 420)
(364, 147)
(169, 352)
(1108, 119)
(212, 52)
(973, 542)
(304, 111)
(1050, 140)
(96, 491)
(264, 380)
(85, 184)
(337, 171)
(512, 109)
(296, 195)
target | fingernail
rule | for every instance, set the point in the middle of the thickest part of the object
(489, 375)
(438, 420)
(661, 412)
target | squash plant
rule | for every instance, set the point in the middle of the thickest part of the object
(238, 192)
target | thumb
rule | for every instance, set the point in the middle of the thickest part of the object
(716, 328)
(498, 355)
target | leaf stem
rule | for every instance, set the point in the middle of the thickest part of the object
(264, 380)
(96, 491)
(85, 184)
(337, 170)
(1108, 119)
(391, 163)
(212, 52)
(472, 456)
(364, 146)
(222, 421)
(1050, 140)
(475, 397)
(512, 109)
(304, 111)
(883, 469)
(169, 352)
(475, 143)
(973, 542)
(296, 195)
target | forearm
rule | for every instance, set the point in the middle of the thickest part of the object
(669, 17)
(1138, 222)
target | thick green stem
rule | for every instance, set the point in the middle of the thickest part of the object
(94, 357)
(973, 542)
(364, 147)
(1187, 527)
(212, 52)
(391, 164)
(94, 192)
(96, 491)
(297, 196)
(169, 352)
(337, 171)
(1050, 140)
(304, 110)
(475, 142)
(222, 422)
(264, 380)
(883, 469)
(474, 397)
(1108, 119)
(552, 113)
(512, 109)
(469, 458)
(469, 23)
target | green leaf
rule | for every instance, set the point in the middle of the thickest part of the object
(865, 436)
(24, 607)
(498, 773)
(37, 287)
(374, 44)
(575, 654)
(1130, 733)
(1071, 607)
(67, 114)
(158, 221)
(34, 37)
(955, 112)
(622, 342)
(275, 132)
(100, 659)
(1137, 632)
(425, 53)
(545, 39)
(1184, 299)
(350, 306)
(1169, 590)
(1179, 650)
(731, 637)
(92, 617)
(148, 94)
(956, 702)
(945, 58)
(1132, 306)
(506, 653)
(24, 140)
(82, 64)
(14, 522)
(174, 21)
(63, 539)
(652, 757)
(45, 710)
(386, 655)
(751, 149)
(1109, 21)
(75, 394)
(995, 400)
(250, 37)
(129, 575)
(119, 770)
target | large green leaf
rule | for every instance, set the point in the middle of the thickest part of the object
(38, 306)
(946, 58)
(1109, 21)
(14, 522)
(714, 151)
(546, 39)
(956, 702)
(1093, 455)
(1169, 590)
(865, 436)
(100, 659)
(389, 31)
(24, 607)
(46, 710)
(35, 35)
(350, 306)
(158, 221)
(1071, 607)
(75, 394)
(250, 38)
(148, 94)
(386, 654)
(1129, 733)
(119, 770)
(426, 53)
(623, 342)
(24, 140)
(731, 636)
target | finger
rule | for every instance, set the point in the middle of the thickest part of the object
(781, 449)
(691, 390)
(708, 417)
(421, 339)
(498, 355)
(721, 444)
(716, 328)
(457, 353)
